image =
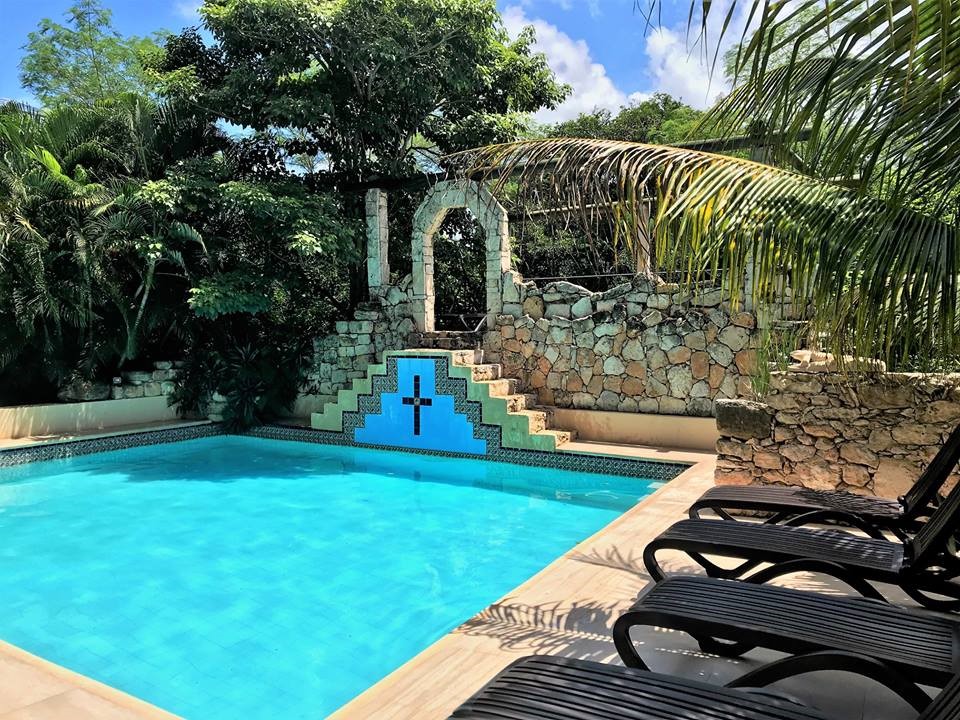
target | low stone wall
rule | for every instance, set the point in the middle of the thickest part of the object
(148, 383)
(641, 347)
(155, 382)
(869, 434)
(382, 324)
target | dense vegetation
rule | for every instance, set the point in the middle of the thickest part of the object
(855, 104)
(175, 198)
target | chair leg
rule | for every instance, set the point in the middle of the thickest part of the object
(713, 646)
(698, 630)
(712, 569)
(836, 661)
(621, 638)
(921, 593)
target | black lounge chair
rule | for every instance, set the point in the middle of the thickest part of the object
(551, 688)
(924, 566)
(802, 506)
(896, 646)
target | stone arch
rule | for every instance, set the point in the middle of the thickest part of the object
(492, 216)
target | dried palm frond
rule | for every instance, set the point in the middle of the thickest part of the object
(714, 213)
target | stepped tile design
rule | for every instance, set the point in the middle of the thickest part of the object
(520, 426)
(508, 425)
(408, 409)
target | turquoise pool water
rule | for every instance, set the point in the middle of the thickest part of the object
(235, 577)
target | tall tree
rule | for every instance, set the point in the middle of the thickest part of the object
(375, 87)
(83, 60)
(658, 119)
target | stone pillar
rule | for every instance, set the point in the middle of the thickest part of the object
(424, 298)
(498, 262)
(378, 233)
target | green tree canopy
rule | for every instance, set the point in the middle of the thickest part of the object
(660, 119)
(83, 60)
(361, 81)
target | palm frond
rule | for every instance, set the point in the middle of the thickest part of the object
(724, 215)
(873, 84)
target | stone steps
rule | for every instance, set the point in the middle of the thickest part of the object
(455, 340)
(524, 424)
(538, 418)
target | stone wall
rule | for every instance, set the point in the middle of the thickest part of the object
(161, 380)
(385, 323)
(869, 433)
(157, 381)
(643, 346)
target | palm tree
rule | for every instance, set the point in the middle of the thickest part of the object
(857, 200)
(80, 237)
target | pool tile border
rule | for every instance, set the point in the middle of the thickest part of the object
(74, 448)
(577, 462)
(369, 404)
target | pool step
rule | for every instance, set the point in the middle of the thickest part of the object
(522, 409)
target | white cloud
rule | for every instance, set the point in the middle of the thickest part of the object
(672, 61)
(685, 66)
(572, 63)
(682, 71)
(189, 9)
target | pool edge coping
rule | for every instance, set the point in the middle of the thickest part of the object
(78, 681)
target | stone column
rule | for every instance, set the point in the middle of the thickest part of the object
(378, 233)
(498, 262)
(421, 255)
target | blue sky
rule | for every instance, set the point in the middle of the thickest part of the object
(600, 47)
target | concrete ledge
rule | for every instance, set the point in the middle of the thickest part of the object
(670, 431)
(31, 687)
(24, 421)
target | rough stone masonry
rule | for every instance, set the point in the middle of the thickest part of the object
(644, 346)
(864, 433)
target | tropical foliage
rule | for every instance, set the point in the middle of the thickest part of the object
(196, 200)
(84, 60)
(371, 88)
(864, 108)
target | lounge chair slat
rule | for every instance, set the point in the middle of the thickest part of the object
(542, 688)
(788, 542)
(797, 500)
(919, 644)
(946, 706)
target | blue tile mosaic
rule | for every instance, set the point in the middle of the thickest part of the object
(418, 416)
(384, 385)
(485, 441)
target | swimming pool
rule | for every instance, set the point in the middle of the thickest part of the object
(237, 577)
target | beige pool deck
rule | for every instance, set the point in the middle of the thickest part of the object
(567, 609)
